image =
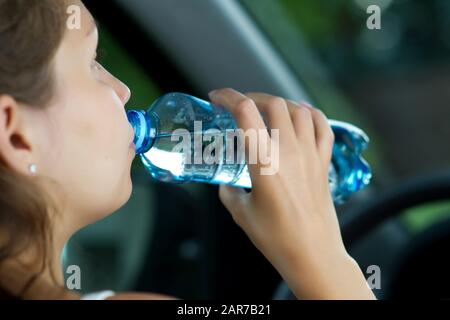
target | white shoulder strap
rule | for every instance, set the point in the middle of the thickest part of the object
(101, 295)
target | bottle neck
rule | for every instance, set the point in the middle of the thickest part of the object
(145, 128)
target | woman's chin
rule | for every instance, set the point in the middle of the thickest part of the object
(126, 194)
(121, 199)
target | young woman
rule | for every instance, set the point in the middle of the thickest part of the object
(61, 168)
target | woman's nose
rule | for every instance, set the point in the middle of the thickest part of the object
(123, 91)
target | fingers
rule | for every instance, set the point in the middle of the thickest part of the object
(234, 200)
(303, 121)
(310, 125)
(248, 118)
(324, 135)
(288, 116)
(307, 119)
(242, 107)
(296, 121)
(276, 113)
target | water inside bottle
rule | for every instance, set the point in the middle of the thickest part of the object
(166, 164)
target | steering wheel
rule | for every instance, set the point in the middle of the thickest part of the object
(388, 205)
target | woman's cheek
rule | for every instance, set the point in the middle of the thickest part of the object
(110, 118)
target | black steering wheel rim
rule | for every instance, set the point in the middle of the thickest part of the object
(387, 205)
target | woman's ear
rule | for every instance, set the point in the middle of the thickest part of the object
(15, 146)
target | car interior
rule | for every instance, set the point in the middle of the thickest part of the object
(178, 239)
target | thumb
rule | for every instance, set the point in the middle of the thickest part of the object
(232, 198)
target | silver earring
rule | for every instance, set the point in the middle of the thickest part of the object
(32, 168)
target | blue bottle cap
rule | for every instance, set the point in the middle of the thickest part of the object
(141, 124)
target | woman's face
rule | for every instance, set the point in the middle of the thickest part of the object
(85, 140)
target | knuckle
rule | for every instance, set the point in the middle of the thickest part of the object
(331, 137)
(307, 110)
(277, 103)
(321, 116)
(245, 108)
(303, 113)
(296, 114)
(327, 141)
(327, 147)
(319, 113)
(276, 106)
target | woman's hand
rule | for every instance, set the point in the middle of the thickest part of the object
(289, 215)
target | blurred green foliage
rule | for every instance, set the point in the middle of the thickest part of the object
(419, 218)
(329, 47)
(116, 60)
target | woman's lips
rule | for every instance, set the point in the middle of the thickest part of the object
(132, 145)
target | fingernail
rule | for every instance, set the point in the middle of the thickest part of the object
(306, 104)
(212, 93)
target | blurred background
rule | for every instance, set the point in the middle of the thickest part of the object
(393, 82)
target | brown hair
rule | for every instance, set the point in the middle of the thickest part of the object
(30, 33)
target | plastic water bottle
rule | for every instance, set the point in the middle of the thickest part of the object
(176, 116)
